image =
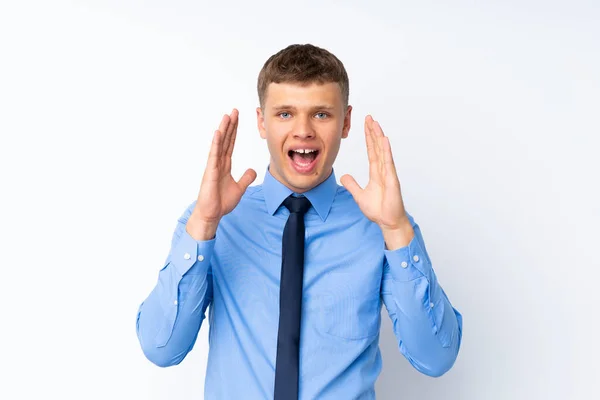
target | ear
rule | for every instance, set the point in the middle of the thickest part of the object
(347, 118)
(260, 122)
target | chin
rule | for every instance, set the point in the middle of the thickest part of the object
(304, 182)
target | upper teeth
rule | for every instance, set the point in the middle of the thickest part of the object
(304, 150)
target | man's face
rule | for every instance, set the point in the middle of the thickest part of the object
(303, 126)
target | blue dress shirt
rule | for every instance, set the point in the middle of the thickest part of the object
(348, 275)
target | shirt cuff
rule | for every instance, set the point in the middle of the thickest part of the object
(192, 256)
(408, 262)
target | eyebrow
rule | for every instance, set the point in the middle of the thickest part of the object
(290, 107)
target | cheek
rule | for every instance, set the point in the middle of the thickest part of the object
(333, 140)
(275, 145)
(333, 148)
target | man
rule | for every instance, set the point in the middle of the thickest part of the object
(295, 270)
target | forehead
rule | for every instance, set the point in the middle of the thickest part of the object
(303, 95)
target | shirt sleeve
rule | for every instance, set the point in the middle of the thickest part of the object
(169, 319)
(428, 328)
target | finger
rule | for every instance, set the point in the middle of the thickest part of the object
(246, 179)
(215, 149)
(390, 167)
(376, 162)
(229, 142)
(227, 137)
(235, 117)
(225, 122)
(352, 186)
(370, 145)
(372, 152)
(378, 134)
(374, 139)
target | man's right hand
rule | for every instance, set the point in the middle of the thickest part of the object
(219, 192)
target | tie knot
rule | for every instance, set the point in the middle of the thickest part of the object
(298, 205)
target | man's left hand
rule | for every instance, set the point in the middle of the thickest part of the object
(381, 200)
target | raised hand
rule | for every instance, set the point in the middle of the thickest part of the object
(219, 192)
(381, 200)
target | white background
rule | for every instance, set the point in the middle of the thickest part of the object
(107, 109)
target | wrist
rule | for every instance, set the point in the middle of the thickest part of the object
(398, 237)
(200, 229)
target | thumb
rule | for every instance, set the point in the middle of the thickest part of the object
(350, 184)
(246, 179)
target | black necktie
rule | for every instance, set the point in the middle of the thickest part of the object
(290, 300)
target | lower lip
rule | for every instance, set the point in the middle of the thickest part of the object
(304, 169)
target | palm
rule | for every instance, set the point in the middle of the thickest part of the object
(381, 200)
(219, 192)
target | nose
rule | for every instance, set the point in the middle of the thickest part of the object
(303, 128)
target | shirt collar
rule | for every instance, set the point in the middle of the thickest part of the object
(320, 197)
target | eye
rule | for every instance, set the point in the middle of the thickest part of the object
(284, 115)
(321, 115)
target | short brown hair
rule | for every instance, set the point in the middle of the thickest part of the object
(303, 64)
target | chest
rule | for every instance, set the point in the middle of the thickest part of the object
(343, 258)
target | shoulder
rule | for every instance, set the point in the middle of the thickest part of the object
(253, 191)
(253, 195)
(345, 205)
(344, 198)
(345, 202)
(252, 200)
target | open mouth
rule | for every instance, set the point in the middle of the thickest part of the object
(303, 160)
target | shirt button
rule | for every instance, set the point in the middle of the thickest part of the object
(404, 264)
(431, 305)
(187, 256)
(416, 258)
(175, 302)
(200, 257)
